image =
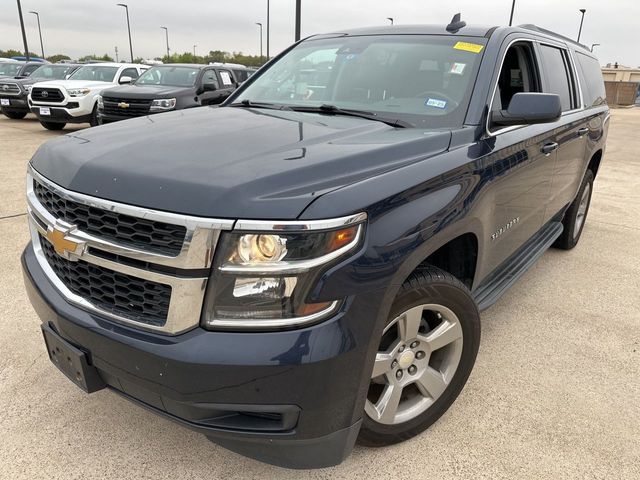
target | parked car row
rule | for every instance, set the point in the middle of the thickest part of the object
(107, 92)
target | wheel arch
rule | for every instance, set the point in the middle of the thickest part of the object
(594, 163)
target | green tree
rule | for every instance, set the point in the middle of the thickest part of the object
(103, 58)
(59, 56)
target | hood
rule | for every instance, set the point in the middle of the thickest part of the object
(148, 91)
(230, 162)
(74, 84)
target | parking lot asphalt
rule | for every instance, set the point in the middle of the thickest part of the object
(555, 392)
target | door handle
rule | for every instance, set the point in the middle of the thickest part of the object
(548, 148)
(583, 131)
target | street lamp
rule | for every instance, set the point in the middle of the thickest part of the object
(260, 25)
(583, 10)
(40, 32)
(593, 45)
(298, 18)
(128, 29)
(24, 34)
(390, 19)
(194, 50)
(513, 7)
(166, 31)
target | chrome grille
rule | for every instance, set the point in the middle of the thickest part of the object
(106, 274)
(9, 88)
(124, 295)
(136, 232)
(51, 95)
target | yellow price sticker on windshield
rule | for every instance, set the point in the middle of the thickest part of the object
(468, 47)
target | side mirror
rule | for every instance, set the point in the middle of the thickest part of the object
(529, 109)
(209, 87)
(124, 80)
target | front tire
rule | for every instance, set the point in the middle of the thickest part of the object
(93, 121)
(15, 115)
(576, 216)
(53, 125)
(424, 358)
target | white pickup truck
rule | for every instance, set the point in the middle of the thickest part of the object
(74, 100)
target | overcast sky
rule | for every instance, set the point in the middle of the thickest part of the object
(80, 27)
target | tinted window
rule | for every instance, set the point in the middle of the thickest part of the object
(30, 69)
(227, 78)
(130, 72)
(209, 78)
(99, 74)
(517, 75)
(591, 80)
(425, 80)
(171, 76)
(557, 73)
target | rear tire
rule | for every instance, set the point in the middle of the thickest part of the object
(15, 115)
(52, 125)
(576, 216)
(424, 359)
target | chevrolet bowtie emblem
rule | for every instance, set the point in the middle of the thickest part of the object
(123, 105)
(61, 244)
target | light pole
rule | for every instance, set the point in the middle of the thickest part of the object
(194, 51)
(24, 34)
(583, 10)
(298, 18)
(128, 29)
(593, 45)
(166, 31)
(40, 32)
(390, 19)
(260, 25)
(513, 7)
(268, 11)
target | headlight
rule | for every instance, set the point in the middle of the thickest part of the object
(78, 92)
(163, 104)
(100, 102)
(262, 279)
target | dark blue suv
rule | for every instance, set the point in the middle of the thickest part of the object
(306, 264)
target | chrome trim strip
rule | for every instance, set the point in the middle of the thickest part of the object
(270, 324)
(300, 225)
(294, 267)
(199, 244)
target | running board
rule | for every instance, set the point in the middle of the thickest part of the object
(490, 291)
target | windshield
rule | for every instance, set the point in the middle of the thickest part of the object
(425, 80)
(9, 69)
(52, 72)
(95, 73)
(171, 76)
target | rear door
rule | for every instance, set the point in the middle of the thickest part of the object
(570, 132)
(214, 94)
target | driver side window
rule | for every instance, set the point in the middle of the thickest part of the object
(518, 74)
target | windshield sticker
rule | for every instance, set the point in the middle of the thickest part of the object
(434, 102)
(468, 47)
(457, 68)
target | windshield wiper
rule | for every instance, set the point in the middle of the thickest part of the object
(252, 104)
(333, 110)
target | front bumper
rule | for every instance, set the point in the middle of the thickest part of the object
(292, 398)
(59, 115)
(17, 103)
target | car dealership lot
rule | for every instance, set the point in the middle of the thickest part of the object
(554, 393)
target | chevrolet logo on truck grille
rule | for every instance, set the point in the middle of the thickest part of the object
(62, 245)
(123, 105)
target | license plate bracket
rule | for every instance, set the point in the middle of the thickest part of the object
(72, 361)
(45, 111)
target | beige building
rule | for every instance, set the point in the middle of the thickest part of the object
(622, 84)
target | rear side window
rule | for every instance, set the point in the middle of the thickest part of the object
(556, 67)
(591, 80)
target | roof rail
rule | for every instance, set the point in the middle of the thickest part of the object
(535, 28)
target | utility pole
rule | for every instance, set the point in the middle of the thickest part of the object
(298, 18)
(117, 59)
(194, 51)
(583, 10)
(166, 31)
(513, 7)
(128, 29)
(268, 24)
(40, 32)
(24, 34)
(260, 25)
